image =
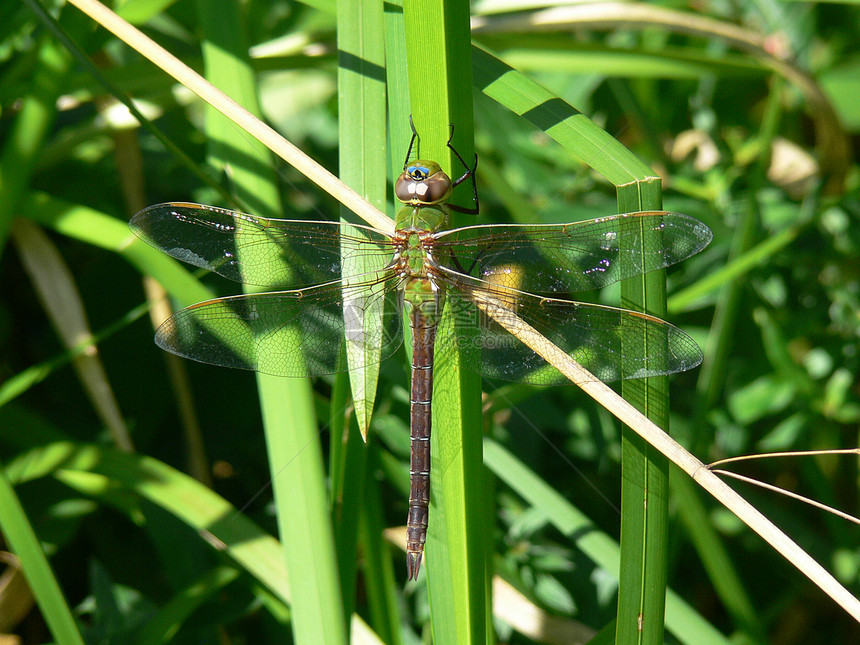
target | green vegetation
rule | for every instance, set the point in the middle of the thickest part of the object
(153, 500)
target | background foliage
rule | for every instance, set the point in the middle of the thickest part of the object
(749, 117)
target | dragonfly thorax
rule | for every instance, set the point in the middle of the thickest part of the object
(423, 182)
(414, 255)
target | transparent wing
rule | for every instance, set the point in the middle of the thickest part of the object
(270, 253)
(566, 258)
(612, 344)
(288, 333)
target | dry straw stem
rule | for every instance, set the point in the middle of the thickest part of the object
(596, 389)
(792, 453)
(654, 435)
(787, 453)
(787, 493)
(55, 285)
(235, 112)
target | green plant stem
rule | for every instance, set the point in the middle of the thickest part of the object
(644, 484)
(440, 81)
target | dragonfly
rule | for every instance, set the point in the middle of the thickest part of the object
(325, 280)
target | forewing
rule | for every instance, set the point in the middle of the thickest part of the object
(276, 254)
(289, 333)
(612, 344)
(566, 258)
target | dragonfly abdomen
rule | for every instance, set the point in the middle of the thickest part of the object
(423, 322)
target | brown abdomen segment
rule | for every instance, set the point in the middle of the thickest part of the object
(423, 340)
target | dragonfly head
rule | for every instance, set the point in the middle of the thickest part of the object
(423, 182)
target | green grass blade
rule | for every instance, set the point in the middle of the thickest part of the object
(573, 130)
(438, 55)
(215, 519)
(19, 534)
(348, 474)
(644, 488)
(361, 123)
(397, 84)
(549, 53)
(292, 437)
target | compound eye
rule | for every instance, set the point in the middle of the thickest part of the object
(438, 188)
(404, 187)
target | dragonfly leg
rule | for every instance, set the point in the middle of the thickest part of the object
(470, 173)
(455, 261)
(411, 142)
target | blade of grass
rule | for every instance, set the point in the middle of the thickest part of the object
(362, 162)
(440, 81)
(644, 484)
(564, 123)
(383, 597)
(23, 541)
(292, 437)
(559, 53)
(348, 475)
(397, 82)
